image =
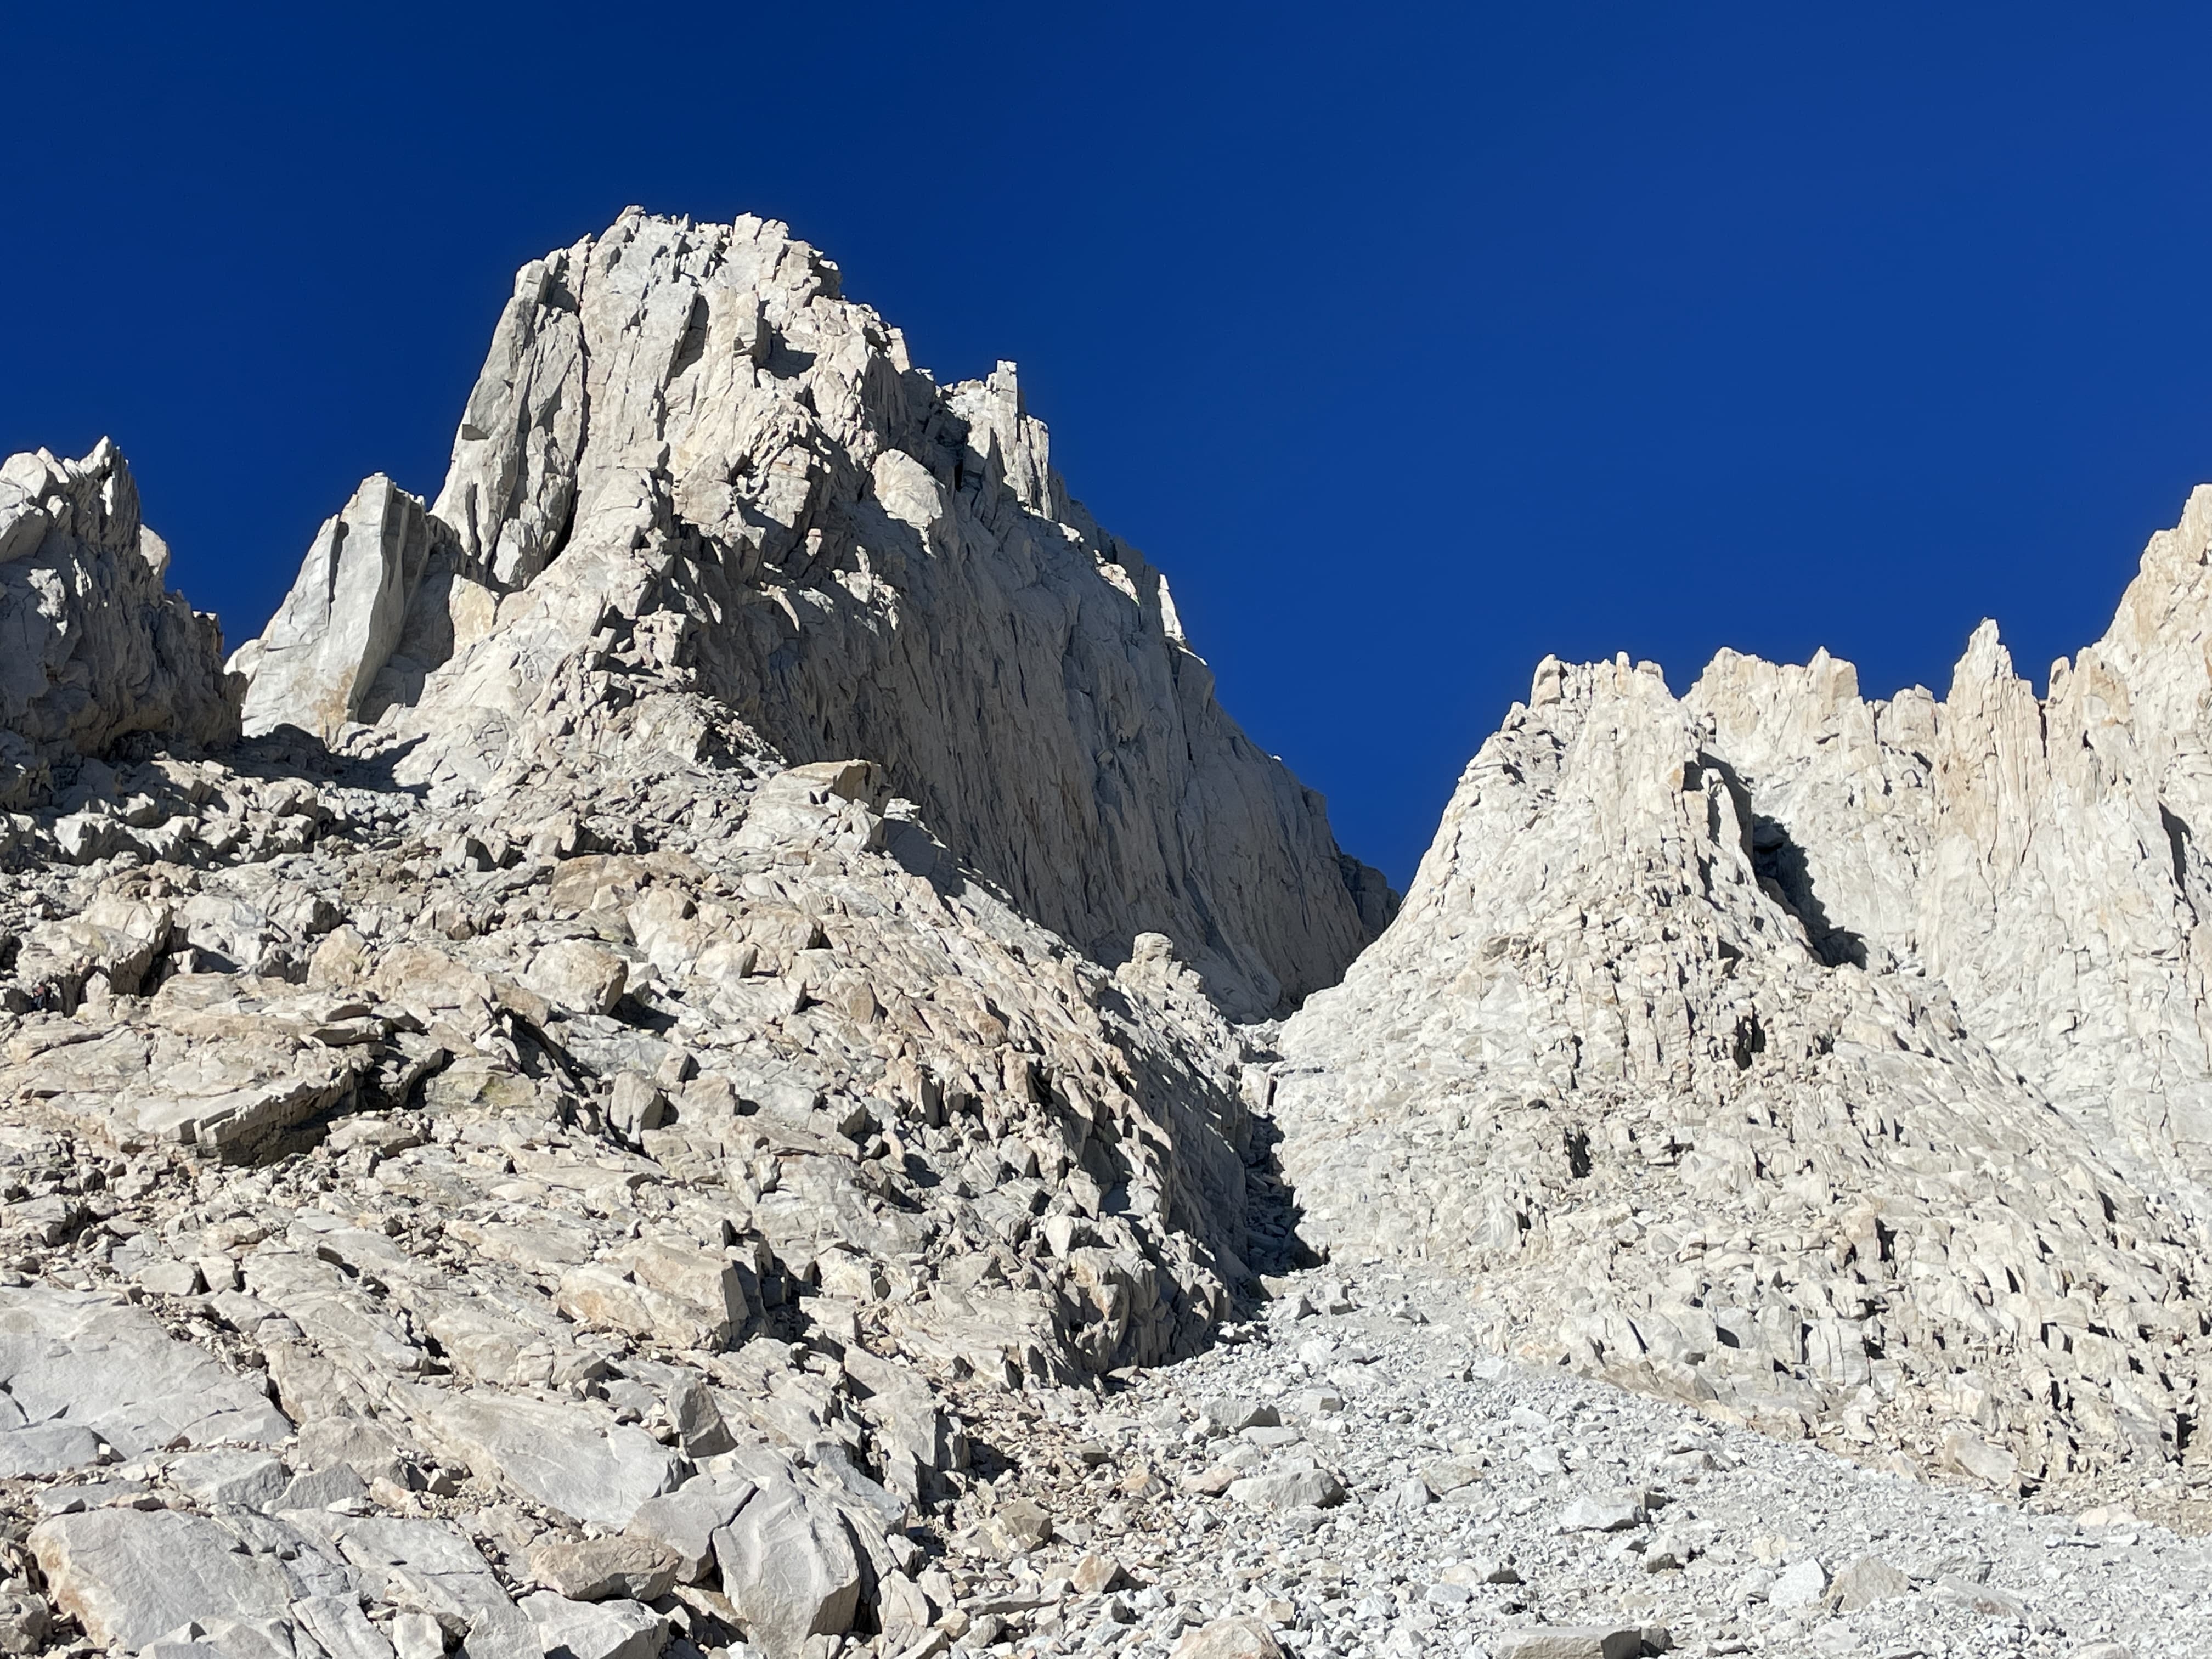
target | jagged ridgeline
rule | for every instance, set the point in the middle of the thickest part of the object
(709, 951)
(1842, 1065)
(689, 457)
(546, 1106)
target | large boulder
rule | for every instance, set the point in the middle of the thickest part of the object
(78, 1370)
(789, 1568)
(572, 1459)
(130, 1576)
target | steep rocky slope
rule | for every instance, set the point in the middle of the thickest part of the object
(540, 1168)
(560, 1191)
(1834, 1063)
(684, 434)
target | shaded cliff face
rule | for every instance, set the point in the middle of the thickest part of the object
(686, 446)
(1839, 1064)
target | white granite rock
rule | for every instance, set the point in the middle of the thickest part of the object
(595, 1630)
(80, 1367)
(93, 646)
(129, 1576)
(616, 1083)
(788, 1567)
(689, 454)
(1812, 1057)
(313, 665)
(570, 1458)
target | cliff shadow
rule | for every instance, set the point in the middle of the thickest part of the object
(1785, 872)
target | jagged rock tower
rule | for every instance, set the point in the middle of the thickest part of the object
(1840, 1064)
(688, 448)
(93, 648)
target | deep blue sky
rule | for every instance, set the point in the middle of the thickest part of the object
(1412, 343)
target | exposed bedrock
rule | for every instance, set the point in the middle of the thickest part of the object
(687, 447)
(1840, 1063)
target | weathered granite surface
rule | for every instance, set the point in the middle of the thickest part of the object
(93, 647)
(1839, 1064)
(689, 454)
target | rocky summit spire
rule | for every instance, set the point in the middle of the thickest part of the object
(690, 463)
(1832, 1062)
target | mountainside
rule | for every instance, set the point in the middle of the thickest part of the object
(2038, 857)
(706, 966)
(1838, 1063)
(682, 1059)
(688, 453)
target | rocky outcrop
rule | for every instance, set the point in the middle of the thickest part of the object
(687, 452)
(1838, 1064)
(313, 665)
(2038, 856)
(94, 648)
(643, 1168)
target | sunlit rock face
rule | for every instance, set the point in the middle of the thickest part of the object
(1842, 1063)
(93, 647)
(687, 450)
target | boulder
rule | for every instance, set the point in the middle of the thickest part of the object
(77, 1366)
(595, 1630)
(789, 1568)
(130, 1576)
(574, 1460)
(1569, 1641)
(1240, 1637)
(683, 1524)
(1288, 1488)
(426, 1565)
(237, 1480)
(340, 1628)
(1800, 1584)
(577, 975)
(1866, 1580)
(1601, 1515)
(627, 1568)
